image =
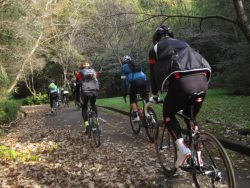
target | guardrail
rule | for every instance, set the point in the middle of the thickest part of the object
(228, 144)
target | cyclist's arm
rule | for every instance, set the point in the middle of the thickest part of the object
(152, 61)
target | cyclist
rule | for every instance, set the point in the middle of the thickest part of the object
(89, 87)
(134, 82)
(64, 95)
(53, 93)
(181, 79)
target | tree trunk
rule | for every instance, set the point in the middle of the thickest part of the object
(24, 63)
(242, 19)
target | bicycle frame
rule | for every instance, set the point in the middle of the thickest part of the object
(193, 135)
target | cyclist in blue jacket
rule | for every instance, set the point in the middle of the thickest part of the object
(134, 82)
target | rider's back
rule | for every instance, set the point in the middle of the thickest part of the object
(89, 80)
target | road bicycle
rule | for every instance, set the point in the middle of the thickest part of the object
(55, 103)
(94, 128)
(65, 99)
(209, 163)
(147, 120)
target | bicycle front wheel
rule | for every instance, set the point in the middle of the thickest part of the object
(215, 166)
(95, 130)
(151, 124)
(134, 125)
(165, 149)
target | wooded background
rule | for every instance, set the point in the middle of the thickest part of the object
(42, 40)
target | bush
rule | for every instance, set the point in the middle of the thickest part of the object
(36, 100)
(8, 110)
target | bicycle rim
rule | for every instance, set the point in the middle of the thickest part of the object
(165, 149)
(95, 130)
(217, 165)
(134, 125)
(150, 124)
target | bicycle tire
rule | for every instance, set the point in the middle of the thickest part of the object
(134, 125)
(215, 157)
(150, 127)
(55, 108)
(165, 149)
(95, 129)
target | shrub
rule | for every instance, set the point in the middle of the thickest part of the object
(36, 100)
(8, 110)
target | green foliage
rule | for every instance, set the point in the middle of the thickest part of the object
(8, 110)
(11, 154)
(36, 100)
(233, 72)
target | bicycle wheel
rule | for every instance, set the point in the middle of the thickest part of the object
(55, 107)
(134, 125)
(151, 124)
(165, 149)
(95, 129)
(216, 170)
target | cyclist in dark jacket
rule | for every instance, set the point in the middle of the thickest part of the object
(134, 82)
(89, 87)
(171, 69)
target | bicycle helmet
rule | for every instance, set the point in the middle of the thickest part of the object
(160, 32)
(52, 81)
(85, 65)
(126, 59)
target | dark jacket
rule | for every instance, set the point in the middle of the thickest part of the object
(169, 56)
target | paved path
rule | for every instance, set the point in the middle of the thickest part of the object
(116, 129)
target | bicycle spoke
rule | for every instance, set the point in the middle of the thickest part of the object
(217, 169)
(151, 123)
(165, 149)
(134, 125)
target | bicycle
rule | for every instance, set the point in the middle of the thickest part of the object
(55, 103)
(147, 120)
(65, 99)
(94, 128)
(209, 163)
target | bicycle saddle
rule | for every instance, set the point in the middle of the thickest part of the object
(196, 97)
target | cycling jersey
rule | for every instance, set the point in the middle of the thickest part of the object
(128, 76)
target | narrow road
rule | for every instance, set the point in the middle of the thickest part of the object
(64, 157)
(116, 129)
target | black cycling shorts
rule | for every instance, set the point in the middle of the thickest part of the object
(138, 87)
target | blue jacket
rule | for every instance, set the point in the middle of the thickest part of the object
(128, 76)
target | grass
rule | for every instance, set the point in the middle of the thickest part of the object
(218, 106)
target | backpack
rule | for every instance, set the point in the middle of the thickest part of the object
(135, 66)
(89, 81)
(186, 60)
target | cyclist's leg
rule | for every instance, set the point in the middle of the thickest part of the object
(51, 100)
(85, 100)
(92, 103)
(133, 101)
(171, 106)
(144, 90)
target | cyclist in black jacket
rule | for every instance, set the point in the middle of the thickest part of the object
(180, 79)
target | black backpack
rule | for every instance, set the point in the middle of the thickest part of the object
(135, 66)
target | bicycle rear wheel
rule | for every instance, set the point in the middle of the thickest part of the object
(151, 124)
(134, 125)
(217, 170)
(95, 129)
(55, 107)
(165, 149)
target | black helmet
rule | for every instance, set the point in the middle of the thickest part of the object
(160, 32)
(126, 59)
